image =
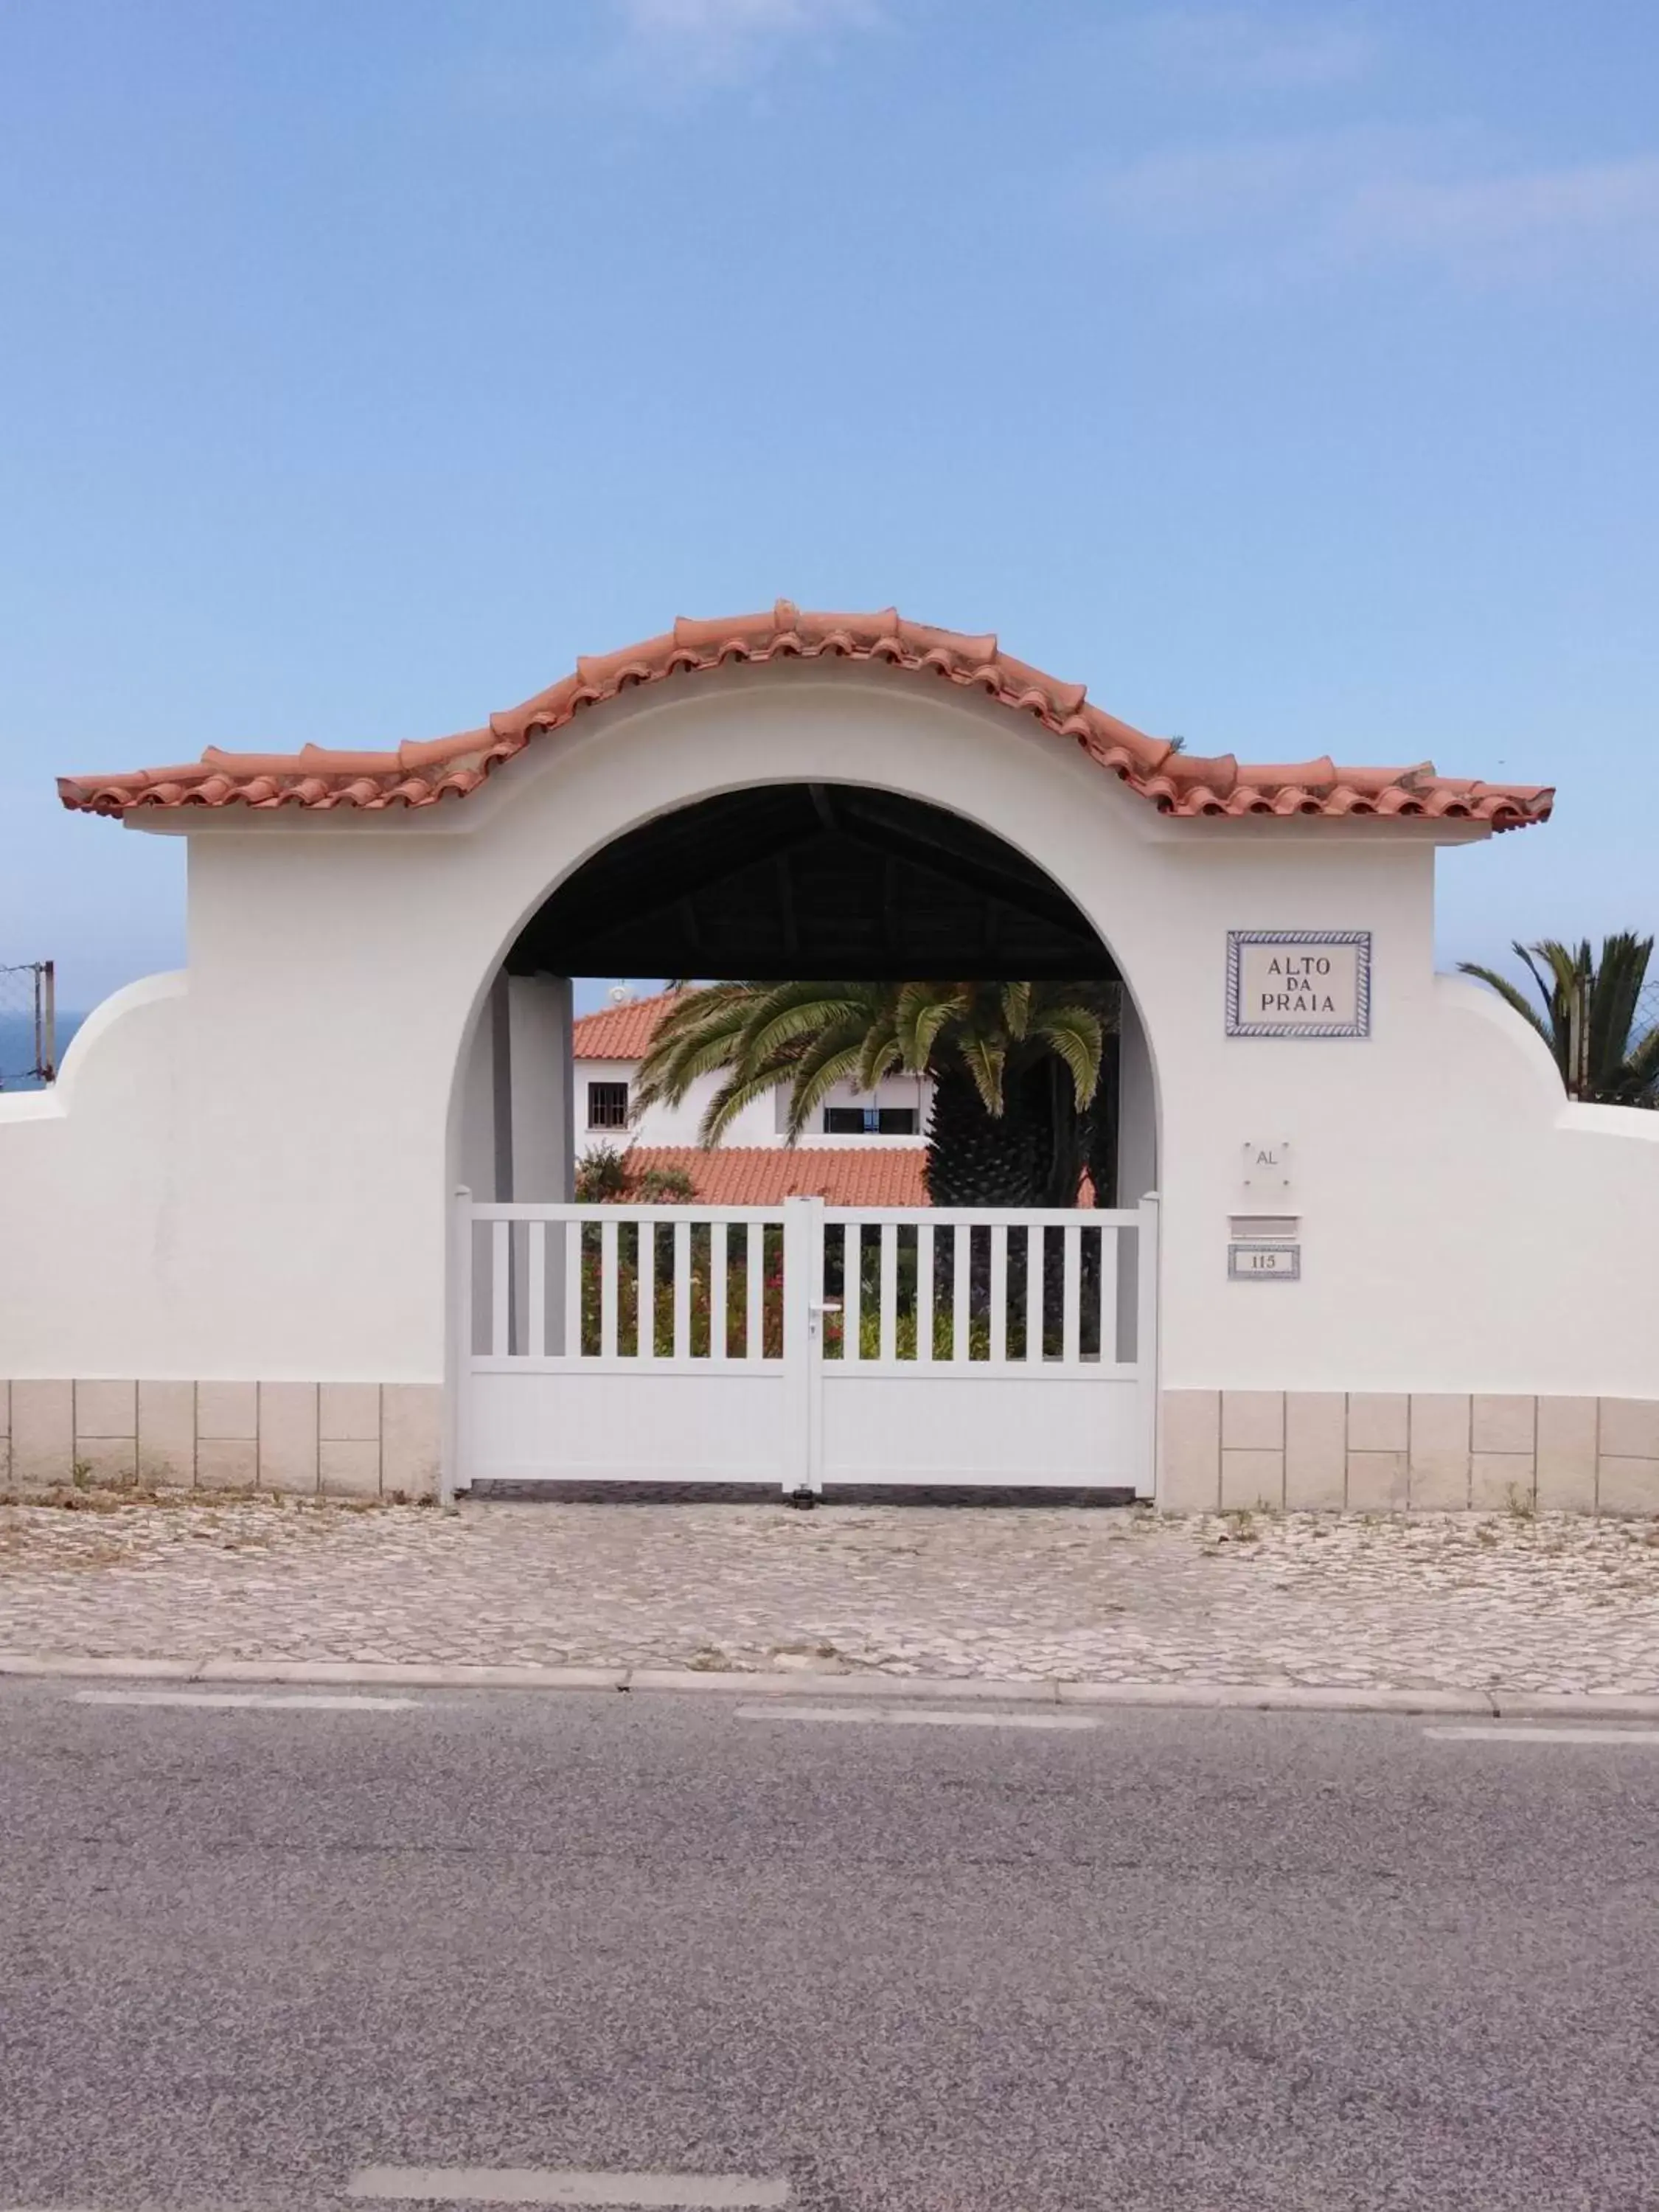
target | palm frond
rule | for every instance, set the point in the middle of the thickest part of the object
(1074, 1033)
(798, 1009)
(692, 1009)
(667, 1078)
(742, 1088)
(989, 1039)
(881, 1054)
(1615, 992)
(922, 1014)
(1508, 993)
(699, 1033)
(1589, 1005)
(985, 1059)
(833, 1060)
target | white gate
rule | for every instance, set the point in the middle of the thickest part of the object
(799, 1344)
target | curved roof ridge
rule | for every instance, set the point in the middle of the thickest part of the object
(1179, 783)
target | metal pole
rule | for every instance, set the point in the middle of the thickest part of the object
(47, 1066)
(1579, 1033)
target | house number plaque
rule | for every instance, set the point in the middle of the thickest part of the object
(1264, 1263)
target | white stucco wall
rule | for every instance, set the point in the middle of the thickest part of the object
(245, 1175)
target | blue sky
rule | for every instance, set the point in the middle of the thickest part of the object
(1288, 373)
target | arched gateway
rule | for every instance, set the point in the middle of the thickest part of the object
(1394, 1265)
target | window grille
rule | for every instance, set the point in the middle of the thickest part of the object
(607, 1105)
(870, 1120)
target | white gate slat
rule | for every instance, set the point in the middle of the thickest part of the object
(501, 1275)
(962, 1246)
(574, 1233)
(535, 1397)
(645, 1291)
(1127, 1255)
(535, 1336)
(681, 1290)
(719, 1259)
(607, 1290)
(1145, 1359)
(851, 1290)
(754, 1340)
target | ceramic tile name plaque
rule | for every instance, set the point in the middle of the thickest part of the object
(1298, 982)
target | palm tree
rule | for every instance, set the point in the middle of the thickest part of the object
(1590, 1015)
(1016, 1068)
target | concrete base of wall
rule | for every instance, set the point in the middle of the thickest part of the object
(308, 1439)
(1406, 1451)
(1278, 1450)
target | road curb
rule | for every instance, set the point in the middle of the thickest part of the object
(1495, 1703)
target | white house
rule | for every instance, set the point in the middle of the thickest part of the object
(609, 1045)
(1388, 1261)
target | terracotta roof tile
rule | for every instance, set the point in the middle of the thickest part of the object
(620, 1032)
(754, 1175)
(448, 768)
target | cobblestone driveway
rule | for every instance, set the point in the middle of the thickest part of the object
(1464, 1602)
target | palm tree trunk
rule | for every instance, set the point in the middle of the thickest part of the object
(973, 1157)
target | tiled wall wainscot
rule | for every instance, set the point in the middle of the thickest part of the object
(1406, 1452)
(309, 1439)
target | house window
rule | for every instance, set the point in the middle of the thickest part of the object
(607, 1105)
(870, 1120)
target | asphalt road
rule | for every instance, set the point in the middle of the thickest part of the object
(251, 1954)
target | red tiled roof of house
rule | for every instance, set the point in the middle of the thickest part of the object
(620, 1032)
(755, 1174)
(1174, 781)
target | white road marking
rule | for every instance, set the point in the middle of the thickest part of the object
(531, 2185)
(1530, 1734)
(913, 1716)
(268, 1702)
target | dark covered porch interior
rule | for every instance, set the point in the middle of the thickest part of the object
(812, 881)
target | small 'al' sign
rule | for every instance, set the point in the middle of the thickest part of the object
(1264, 1263)
(1298, 982)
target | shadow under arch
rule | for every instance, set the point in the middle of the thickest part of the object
(812, 881)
